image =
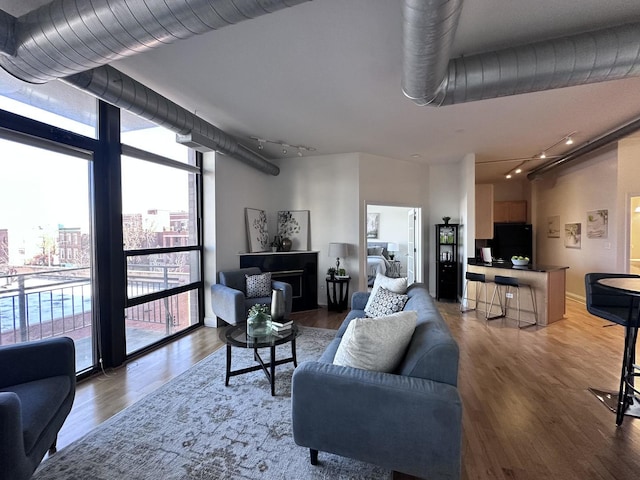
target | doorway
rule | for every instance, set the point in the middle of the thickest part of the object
(397, 229)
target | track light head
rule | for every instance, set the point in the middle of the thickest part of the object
(543, 155)
(569, 140)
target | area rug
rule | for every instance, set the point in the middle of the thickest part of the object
(194, 427)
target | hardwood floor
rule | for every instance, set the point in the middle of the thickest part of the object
(527, 412)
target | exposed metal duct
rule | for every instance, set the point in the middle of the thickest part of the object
(576, 155)
(429, 28)
(70, 36)
(120, 90)
(598, 56)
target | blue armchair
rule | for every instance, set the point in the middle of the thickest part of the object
(37, 388)
(228, 296)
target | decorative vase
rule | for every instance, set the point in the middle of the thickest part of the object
(286, 244)
(277, 305)
(258, 325)
(446, 220)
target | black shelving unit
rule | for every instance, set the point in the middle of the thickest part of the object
(447, 261)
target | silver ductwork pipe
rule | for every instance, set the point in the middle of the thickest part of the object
(120, 90)
(429, 27)
(70, 36)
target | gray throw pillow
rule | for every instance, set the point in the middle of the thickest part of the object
(385, 302)
(377, 344)
(258, 285)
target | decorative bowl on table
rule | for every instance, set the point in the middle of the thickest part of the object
(520, 262)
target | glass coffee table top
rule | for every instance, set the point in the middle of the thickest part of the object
(236, 336)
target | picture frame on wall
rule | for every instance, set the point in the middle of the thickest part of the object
(257, 233)
(373, 225)
(598, 224)
(572, 235)
(553, 226)
(294, 225)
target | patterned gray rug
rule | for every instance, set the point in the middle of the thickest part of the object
(194, 427)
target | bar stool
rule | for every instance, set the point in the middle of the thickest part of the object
(481, 280)
(510, 284)
(622, 309)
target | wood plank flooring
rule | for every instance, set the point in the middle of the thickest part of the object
(527, 412)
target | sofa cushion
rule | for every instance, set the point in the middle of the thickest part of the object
(396, 285)
(376, 343)
(385, 302)
(258, 285)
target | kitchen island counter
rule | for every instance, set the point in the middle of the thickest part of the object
(548, 283)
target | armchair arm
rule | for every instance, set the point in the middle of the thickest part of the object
(36, 360)
(12, 439)
(359, 300)
(228, 304)
(288, 295)
(407, 424)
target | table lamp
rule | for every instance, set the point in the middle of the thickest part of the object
(392, 248)
(338, 250)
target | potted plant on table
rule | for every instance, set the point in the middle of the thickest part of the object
(331, 272)
(258, 320)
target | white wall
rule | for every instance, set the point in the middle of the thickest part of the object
(467, 211)
(444, 187)
(591, 185)
(387, 181)
(327, 186)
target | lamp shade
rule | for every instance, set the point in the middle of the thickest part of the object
(392, 247)
(338, 250)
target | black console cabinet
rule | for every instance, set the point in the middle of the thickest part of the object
(447, 261)
(299, 269)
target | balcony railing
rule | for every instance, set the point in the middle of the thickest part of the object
(54, 302)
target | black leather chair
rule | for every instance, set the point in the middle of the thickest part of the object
(621, 309)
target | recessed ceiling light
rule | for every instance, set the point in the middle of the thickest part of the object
(416, 155)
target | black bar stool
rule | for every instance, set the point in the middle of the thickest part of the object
(480, 280)
(510, 284)
(622, 309)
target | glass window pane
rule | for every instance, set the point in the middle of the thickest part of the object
(152, 321)
(159, 205)
(145, 135)
(155, 273)
(45, 248)
(54, 103)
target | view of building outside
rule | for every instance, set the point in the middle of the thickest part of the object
(159, 205)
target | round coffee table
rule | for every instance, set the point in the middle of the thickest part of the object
(236, 336)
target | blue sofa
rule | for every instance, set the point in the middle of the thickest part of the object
(37, 388)
(409, 421)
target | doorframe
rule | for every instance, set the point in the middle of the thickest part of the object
(363, 239)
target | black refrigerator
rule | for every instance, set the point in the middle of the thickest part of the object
(511, 239)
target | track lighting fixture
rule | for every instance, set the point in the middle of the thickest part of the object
(543, 155)
(567, 140)
(285, 147)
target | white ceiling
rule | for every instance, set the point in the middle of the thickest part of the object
(327, 74)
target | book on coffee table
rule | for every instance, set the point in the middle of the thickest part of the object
(285, 323)
(284, 328)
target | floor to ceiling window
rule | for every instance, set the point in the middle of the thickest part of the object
(59, 267)
(160, 223)
(46, 247)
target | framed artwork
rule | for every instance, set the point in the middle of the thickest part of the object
(294, 225)
(553, 226)
(572, 235)
(373, 225)
(598, 224)
(257, 234)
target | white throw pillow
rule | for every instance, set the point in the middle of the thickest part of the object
(258, 285)
(376, 344)
(396, 285)
(385, 302)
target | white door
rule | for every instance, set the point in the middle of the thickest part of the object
(414, 273)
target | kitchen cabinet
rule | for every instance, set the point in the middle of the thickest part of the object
(484, 211)
(510, 212)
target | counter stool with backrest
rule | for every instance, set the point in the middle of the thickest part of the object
(507, 285)
(622, 309)
(481, 284)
